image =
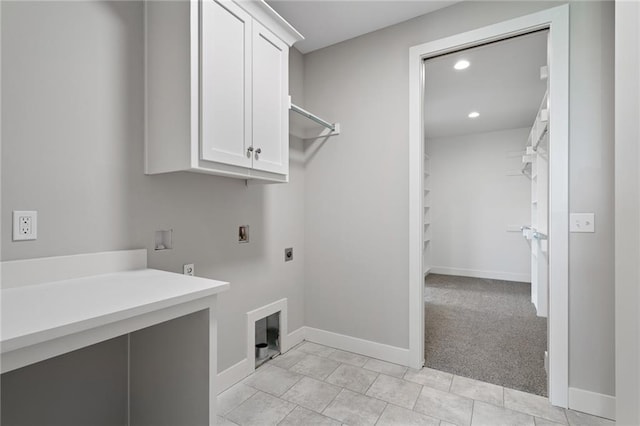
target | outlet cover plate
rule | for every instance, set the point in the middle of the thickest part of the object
(582, 222)
(25, 225)
(288, 254)
(188, 269)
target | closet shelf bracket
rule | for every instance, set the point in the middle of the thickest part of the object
(331, 129)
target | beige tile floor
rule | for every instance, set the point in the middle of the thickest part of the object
(317, 385)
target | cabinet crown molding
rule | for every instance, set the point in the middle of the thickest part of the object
(268, 17)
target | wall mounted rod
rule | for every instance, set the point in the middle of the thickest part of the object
(313, 117)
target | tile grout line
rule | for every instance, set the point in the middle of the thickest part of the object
(289, 413)
(381, 413)
(417, 397)
(241, 402)
(372, 382)
(335, 397)
(473, 409)
(332, 371)
(328, 405)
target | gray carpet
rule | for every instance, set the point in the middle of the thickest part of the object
(486, 330)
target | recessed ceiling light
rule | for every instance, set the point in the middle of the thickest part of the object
(462, 64)
(474, 114)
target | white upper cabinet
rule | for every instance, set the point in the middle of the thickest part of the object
(226, 83)
(217, 89)
(270, 101)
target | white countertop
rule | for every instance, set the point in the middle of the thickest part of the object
(37, 313)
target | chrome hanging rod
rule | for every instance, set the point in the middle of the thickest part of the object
(313, 117)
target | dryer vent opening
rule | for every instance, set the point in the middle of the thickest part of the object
(267, 331)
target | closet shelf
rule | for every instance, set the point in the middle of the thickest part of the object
(540, 126)
(330, 129)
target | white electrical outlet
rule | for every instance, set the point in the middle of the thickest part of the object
(25, 225)
(188, 269)
(582, 222)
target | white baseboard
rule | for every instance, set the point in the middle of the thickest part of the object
(233, 375)
(476, 273)
(593, 403)
(294, 338)
(368, 348)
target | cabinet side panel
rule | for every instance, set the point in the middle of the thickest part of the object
(83, 387)
(169, 372)
(168, 86)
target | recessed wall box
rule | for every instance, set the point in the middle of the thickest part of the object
(164, 240)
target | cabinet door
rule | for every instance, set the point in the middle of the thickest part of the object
(225, 77)
(270, 101)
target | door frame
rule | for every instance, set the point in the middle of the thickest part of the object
(556, 20)
(627, 211)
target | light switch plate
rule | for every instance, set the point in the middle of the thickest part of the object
(582, 222)
(25, 225)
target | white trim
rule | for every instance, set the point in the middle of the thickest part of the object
(557, 20)
(255, 315)
(593, 403)
(17, 273)
(627, 211)
(294, 338)
(233, 374)
(477, 273)
(263, 13)
(359, 346)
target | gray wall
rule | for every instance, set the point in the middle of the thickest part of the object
(591, 168)
(357, 199)
(72, 145)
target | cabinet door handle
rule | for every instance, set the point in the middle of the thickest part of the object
(258, 151)
(250, 149)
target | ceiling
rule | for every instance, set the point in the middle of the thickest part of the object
(502, 84)
(327, 22)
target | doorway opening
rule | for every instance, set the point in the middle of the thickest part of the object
(556, 20)
(484, 318)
